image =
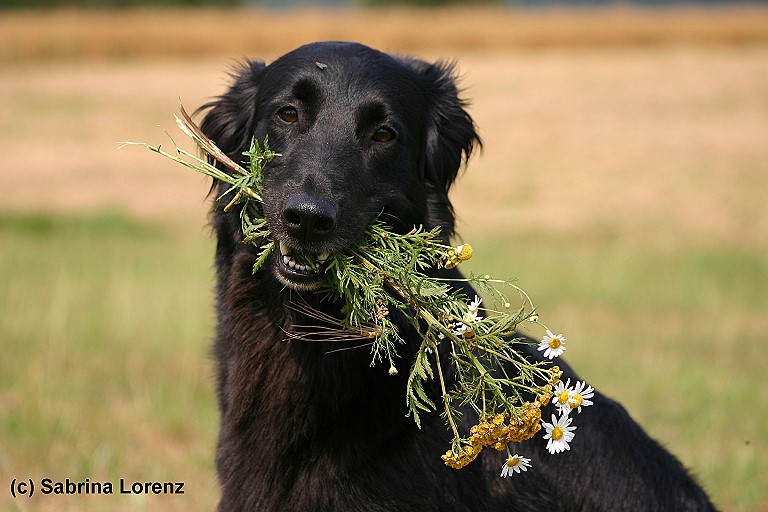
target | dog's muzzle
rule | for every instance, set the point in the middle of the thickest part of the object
(309, 221)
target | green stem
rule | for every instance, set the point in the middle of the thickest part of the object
(446, 398)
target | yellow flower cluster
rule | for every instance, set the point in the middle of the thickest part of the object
(525, 427)
(546, 397)
(492, 432)
(557, 374)
(457, 255)
(467, 455)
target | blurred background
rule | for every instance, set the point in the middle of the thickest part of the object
(623, 182)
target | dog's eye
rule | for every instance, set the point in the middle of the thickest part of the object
(384, 134)
(288, 114)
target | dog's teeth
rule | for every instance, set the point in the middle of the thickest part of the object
(287, 253)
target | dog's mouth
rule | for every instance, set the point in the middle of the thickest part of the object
(300, 269)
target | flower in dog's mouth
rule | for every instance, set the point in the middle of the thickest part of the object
(567, 398)
(515, 464)
(559, 433)
(552, 344)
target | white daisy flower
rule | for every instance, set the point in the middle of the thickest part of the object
(567, 398)
(552, 344)
(581, 395)
(515, 463)
(559, 433)
(472, 316)
(464, 328)
(474, 306)
(459, 329)
(562, 396)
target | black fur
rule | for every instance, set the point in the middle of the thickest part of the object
(304, 429)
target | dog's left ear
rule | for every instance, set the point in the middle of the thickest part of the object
(229, 119)
(449, 140)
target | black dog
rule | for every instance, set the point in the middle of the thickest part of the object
(361, 133)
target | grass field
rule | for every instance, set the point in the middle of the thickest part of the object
(622, 182)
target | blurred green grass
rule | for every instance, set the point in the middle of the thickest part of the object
(106, 374)
(105, 371)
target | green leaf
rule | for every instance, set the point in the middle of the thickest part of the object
(266, 250)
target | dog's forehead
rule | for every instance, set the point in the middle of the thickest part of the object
(342, 54)
(343, 64)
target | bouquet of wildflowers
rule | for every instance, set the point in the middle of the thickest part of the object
(386, 271)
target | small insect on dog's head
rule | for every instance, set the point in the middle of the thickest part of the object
(361, 134)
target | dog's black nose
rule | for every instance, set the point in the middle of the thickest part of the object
(308, 218)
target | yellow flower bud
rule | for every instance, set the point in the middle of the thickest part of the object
(464, 252)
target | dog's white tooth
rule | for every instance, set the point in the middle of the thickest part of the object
(286, 259)
(291, 263)
(284, 249)
(322, 257)
(301, 267)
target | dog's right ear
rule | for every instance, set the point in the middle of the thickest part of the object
(229, 119)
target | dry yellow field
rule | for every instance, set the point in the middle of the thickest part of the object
(641, 133)
(180, 33)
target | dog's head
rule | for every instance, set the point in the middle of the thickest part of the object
(361, 134)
